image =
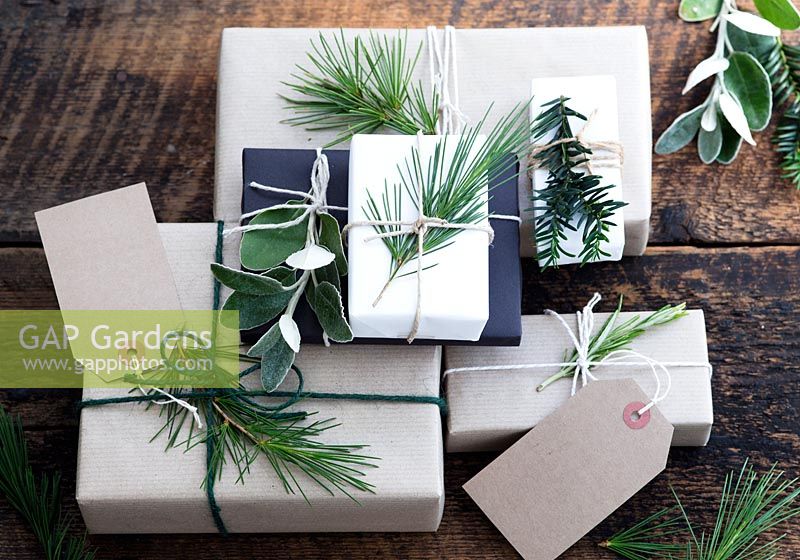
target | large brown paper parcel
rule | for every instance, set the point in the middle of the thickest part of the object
(490, 410)
(495, 66)
(128, 485)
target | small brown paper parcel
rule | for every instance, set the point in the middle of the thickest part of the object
(573, 469)
(126, 484)
(490, 410)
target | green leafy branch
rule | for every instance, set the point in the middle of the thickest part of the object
(569, 192)
(38, 500)
(754, 72)
(448, 187)
(303, 257)
(360, 86)
(613, 337)
(749, 506)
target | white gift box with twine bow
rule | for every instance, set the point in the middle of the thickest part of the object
(595, 97)
(453, 275)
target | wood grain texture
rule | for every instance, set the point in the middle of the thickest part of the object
(752, 313)
(97, 95)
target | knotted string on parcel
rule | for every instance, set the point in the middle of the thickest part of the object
(582, 342)
(603, 153)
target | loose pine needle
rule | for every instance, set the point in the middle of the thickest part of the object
(749, 506)
(38, 500)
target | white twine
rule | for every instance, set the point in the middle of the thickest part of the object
(451, 120)
(316, 199)
(173, 399)
(605, 153)
(583, 364)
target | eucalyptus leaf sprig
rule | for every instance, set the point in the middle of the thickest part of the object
(753, 72)
(37, 499)
(360, 86)
(613, 337)
(569, 191)
(303, 259)
(749, 506)
(450, 186)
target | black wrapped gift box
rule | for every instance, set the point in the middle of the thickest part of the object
(291, 169)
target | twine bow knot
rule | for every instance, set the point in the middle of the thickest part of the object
(316, 199)
(583, 364)
(604, 153)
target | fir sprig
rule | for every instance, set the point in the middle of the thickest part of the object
(37, 499)
(782, 63)
(450, 186)
(749, 506)
(613, 337)
(569, 191)
(241, 430)
(360, 86)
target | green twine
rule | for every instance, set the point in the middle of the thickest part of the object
(292, 396)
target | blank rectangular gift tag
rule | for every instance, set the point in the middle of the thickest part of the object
(573, 469)
(105, 253)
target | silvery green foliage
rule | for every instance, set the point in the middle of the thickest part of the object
(740, 101)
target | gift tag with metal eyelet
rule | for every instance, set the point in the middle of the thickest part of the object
(574, 468)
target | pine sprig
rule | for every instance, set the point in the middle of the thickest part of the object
(38, 500)
(569, 191)
(643, 540)
(749, 506)
(451, 183)
(360, 87)
(242, 430)
(782, 63)
(613, 337)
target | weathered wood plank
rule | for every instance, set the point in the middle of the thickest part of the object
(100, 95)
(752, 300)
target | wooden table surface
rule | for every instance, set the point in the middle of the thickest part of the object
(95, 96)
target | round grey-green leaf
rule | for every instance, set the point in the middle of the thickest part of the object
(329, 310)
(680, 132)
(267, 248)
(781, 13)
(731, 142)
(747, 80)
(743, 41)
(709, 144)
(699, 10)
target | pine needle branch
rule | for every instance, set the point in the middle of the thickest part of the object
(569, 191)
(38, 500)
(749, 506)
(782, 64)
(451, 183)
(613, 337)
(242, 430)
(360, 86)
